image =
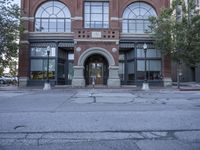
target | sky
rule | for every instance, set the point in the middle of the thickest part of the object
(17, 1)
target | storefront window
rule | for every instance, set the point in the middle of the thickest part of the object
(42, 51)
(39, 69)
(121, 71)
(127, 66)
(151, 53)
(153, 68)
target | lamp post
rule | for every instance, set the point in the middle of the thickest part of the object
(47, 85)
(145, 85)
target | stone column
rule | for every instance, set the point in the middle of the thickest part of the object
(23, 81)
(113, 79)
(167, 81)
(78, 79)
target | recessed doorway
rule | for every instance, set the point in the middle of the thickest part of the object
(96, 69)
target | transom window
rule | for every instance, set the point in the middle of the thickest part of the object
(53, 16)
(135, 17)
(96, 15)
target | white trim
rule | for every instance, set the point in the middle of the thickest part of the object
(77, 18)
(116, 19)
(24, 42)
(95, 40)
(28, 18)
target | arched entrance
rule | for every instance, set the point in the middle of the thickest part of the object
(96, 68)
(112, 73)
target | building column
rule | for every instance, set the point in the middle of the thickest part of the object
(78, 79)
(113, 79)
(23, 73)
(167, 79)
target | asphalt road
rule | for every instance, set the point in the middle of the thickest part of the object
(103, 119)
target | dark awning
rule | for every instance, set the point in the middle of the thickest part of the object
(66, 44)
(127, 45)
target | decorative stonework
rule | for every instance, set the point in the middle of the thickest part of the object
(96, 50)
(114, 50)
(78, 49)
(113, 79)
(78, 79)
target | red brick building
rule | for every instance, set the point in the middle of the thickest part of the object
(90, 39)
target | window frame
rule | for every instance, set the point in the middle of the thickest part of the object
(62, 13)
(133, 13)
(104, 22)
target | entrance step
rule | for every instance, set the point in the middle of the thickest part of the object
(63, 86)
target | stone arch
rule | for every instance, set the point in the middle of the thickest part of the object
(96, 50)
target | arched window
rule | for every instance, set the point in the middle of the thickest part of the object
(53, 16)
(135, 17)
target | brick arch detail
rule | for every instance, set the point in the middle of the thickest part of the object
(96, 50)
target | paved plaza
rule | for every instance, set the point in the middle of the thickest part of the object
(99, 119)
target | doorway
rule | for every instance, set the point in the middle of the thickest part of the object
(96, 69)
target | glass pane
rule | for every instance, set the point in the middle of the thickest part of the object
(87, 9)
(53, 51)
(51, 65)
(36, 75)
(132, 26)
(92, 70)
(49, 10)
(139, 26)
(130, 54)
(68, 26)
(140, 65)
(45, 14)
(36, 65)
(52, 25)
(70, 56)
(99, 70)
(37, 51)
(87, 17)
(146, 26)
(105, 25)
(61, 25)
(154, 65)
(96, 17)
(125, 26)
(105, 18)
(37, 25)
(61, 71)
(151, 53)
(45, 25)
(70, 71)
(121, 71)
(131, 71)
(140, 53)
(96, 9)
(96, 24)
(121, 57)
(40, 52)
(106, 8)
